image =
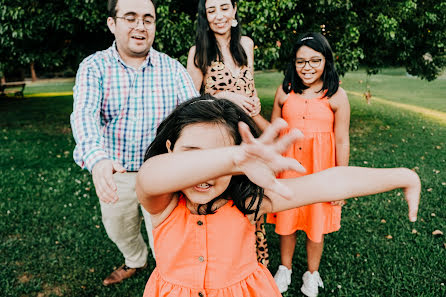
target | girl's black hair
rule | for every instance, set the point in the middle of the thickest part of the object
(207, 109)
(206, 47)
(330, 78)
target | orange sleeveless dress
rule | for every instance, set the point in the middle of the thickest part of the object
(208, 255)
(316, 152)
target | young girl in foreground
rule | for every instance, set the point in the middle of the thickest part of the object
(206, 181)
(311, 100)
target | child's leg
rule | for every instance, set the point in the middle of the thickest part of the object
(314, 254)
(287, 246)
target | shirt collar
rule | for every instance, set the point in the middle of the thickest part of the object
(149, 61)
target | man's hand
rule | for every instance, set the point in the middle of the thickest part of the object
(103, 180)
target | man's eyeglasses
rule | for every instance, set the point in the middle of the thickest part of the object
(314, 63)
(133, 22)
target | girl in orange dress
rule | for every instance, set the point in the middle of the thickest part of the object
(311, 100)
(221, 63)
(207, 179)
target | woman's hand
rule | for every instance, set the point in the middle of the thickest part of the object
(257, 106)
(246, 103)
(261, 160)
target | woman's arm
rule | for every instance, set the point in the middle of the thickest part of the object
(248, 46)
(194, 71)
(346, 182)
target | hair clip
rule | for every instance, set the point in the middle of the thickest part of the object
(307, 38)
(204, 100)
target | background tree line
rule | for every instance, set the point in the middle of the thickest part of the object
(55, 35)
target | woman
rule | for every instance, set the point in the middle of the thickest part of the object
(221, 63)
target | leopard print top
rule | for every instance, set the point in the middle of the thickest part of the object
(219, 78)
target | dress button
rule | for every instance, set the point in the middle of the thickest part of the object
(200, 294)
(300, 148)
(201, 258)
(200, 223)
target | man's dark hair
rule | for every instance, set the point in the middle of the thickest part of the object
(112, 7)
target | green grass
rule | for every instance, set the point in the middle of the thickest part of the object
(52, 242)
(59, 85)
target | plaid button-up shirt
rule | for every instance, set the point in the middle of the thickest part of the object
(118, 108)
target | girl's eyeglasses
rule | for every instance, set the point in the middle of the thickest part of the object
(314, 63)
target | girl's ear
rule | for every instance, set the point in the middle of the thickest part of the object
(168, 146)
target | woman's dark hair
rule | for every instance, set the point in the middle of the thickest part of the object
(206, 47)
(207, 109)
(112, 7)
(330, 78)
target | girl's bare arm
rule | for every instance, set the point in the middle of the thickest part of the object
(346, 182)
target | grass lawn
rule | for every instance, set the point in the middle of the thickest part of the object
(52, 242)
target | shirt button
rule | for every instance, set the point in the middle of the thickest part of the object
(200, 294)
(199, 223)
(303, 118)
(201, 258)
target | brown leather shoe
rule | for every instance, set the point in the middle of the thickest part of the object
(121, 274)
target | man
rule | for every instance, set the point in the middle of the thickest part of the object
(120, 97)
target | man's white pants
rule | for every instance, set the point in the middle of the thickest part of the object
(122, 221)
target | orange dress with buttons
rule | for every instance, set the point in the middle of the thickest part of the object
(316, 152)
(208, 255)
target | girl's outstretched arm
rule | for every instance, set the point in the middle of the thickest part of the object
(163, 175)
(260, 159)
(347, 182)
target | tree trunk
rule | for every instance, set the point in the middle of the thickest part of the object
(3, 80)
(33, 72)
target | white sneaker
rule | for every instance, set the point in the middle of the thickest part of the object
(283, 278)
(312, 282)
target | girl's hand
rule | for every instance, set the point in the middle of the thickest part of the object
(260, 159)
(412, 194)
(339, 203)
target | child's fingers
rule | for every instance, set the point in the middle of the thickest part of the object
(273, 130)
(412, 193)
(413, 199)
(245, 133)
(292, 164)
(285, 141)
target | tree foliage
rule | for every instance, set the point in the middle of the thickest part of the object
(375, 34)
